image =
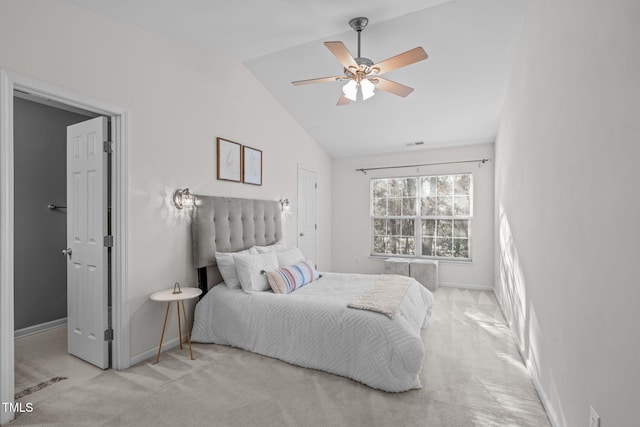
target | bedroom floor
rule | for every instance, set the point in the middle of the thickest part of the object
(42, 360)
(472, 376)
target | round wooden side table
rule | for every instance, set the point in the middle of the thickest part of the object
(179, 296)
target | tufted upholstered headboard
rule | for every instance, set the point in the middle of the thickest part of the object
(227, 224)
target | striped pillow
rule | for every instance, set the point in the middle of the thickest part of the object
(287, 279)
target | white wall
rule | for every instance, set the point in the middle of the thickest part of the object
(180, 98)
(351, 212)
(567, 203)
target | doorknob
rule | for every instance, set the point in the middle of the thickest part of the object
(301, 234)
(66, 251)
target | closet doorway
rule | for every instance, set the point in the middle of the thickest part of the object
(61, 215)
(116, 269)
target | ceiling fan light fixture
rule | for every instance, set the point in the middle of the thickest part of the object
(350, 90)
(367, 88)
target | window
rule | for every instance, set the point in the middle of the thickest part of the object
(427, 216)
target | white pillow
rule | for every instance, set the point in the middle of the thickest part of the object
(227, 267)
(289, 257)
(250, 269)
(276, 247)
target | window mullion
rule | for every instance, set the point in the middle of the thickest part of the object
(417, 223)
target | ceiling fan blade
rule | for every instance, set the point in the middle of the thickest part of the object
(343, 100)
(407, 58)
(319, 80)
(393, 87)
(341, 52)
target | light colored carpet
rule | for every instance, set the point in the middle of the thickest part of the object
(31, 377)
(472, 376)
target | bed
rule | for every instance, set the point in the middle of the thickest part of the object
(313, 326)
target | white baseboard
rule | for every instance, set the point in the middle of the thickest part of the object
(532, 367)
(30, 330)
(167, 345)
(534, 373)
(466, 286)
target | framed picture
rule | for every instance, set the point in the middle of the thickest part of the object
(229, 160)
(251, 165)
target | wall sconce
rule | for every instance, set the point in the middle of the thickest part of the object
(284, 205)
(184, 199)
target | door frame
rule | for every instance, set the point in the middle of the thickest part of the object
(9, 81)
(315, 206)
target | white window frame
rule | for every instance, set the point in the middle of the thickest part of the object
(418, 218)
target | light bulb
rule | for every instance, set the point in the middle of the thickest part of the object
(350, 90)
(367, 89)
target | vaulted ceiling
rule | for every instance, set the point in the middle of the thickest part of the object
(459, 89)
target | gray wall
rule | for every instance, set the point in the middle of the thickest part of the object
(40, 134)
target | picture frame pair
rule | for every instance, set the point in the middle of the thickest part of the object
(238, 163)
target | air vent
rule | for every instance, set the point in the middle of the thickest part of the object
(412, 144)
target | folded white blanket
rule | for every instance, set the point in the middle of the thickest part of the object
(384, 296)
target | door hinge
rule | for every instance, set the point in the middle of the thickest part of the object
(316, 225)
(107, 147)
(108, 241)
(108, 334)
(316, 185)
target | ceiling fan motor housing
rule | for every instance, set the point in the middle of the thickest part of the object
(362, 72)
(364, 61)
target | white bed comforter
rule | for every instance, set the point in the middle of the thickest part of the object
(313, 328)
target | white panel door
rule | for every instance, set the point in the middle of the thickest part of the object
(87, 293)
(307, 213)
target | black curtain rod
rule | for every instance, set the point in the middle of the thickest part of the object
(481, 161)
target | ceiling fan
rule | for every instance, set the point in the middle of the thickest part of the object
(361, 73)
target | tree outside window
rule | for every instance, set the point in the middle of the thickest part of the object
(425, 216)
